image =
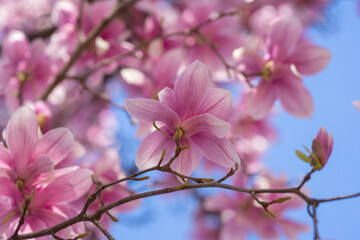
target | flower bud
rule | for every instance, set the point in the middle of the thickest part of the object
(322, 147)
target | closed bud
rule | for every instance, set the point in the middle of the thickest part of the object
(321, 147)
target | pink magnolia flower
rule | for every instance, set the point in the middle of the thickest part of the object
(322, 147)
(194, 111)
(24, 67)
(288, 57)
(48, 206)
(226, 39)
(28, 154)
(240, 214)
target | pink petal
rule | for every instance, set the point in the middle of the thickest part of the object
(8, 188)
(309, 59)
(35, 224)
(188, 160)
(249, 61)
(295, 98)
(356, 104)
(233, 230)
(151, 147)
(217, 101)
(42, 164)
(260, 100)
(166, 68)
(8, 228)
(266, 229)
(22, 137)
(56, 144)
(218, 150)
(167, 97)
(149, 110)
(205, 123)
(49, 218)
(16, 46)
(190, 88)
(292, 228)
(283, 37)
(5, 157)
(71, 186)
(220, 202)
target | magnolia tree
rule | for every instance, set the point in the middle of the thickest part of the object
(177, 62)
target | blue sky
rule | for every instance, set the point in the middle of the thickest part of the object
(333, 91)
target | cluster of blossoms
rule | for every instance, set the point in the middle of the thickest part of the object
(173, 59)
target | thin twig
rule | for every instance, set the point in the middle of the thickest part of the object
(84, 44)
(103, 230)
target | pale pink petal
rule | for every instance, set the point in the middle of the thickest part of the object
(165, 70)
(190, 88)
(71, 186)
(233, 231)
(249, 61)
(309, 59)
(188, 160)
(34, 224)
(218, 150)
(151, 147)
(5, 157)
(70, 210)
(356, 104)
(43, 164)
(56, 144)
(7, 228)
(167, 97)
(205, 123)
(292, 228)
(16, 46)
(149, 110)
(295, 98)
(220, 202)
(217, 101)
(265, 229)
(51, 218)
(8, 188)
(283, 37)
(22, 137)
(260, 100)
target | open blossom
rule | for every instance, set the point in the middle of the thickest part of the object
(49, 204)
(322, 147)
(240, 214)
(25, 67)
(193, 111)
(288, 57)
(29, 154)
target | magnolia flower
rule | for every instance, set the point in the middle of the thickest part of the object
(193, 112)
(322, 147)
(288, 57)
(24, 67)
(240, 214)
(49, 204)
(28, 154)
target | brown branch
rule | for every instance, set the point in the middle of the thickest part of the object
(338, 198)
(103, 230)
(122, 6)
(315, 221)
